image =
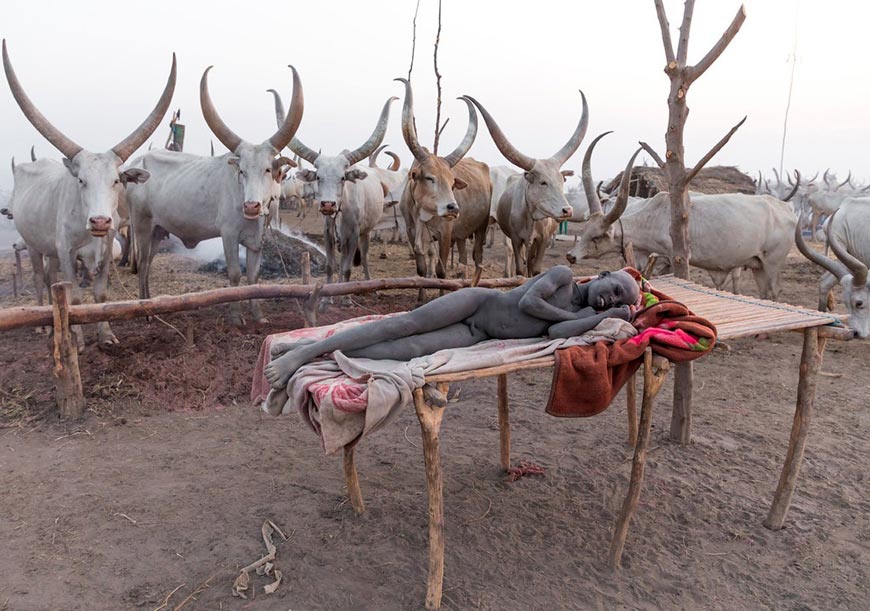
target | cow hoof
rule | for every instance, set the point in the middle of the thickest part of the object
(109, 340)
(347, 302)
(261, 321)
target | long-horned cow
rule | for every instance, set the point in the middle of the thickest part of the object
(351, 198)
(849, 237)
(64, 210)
(533, 204)
(198, 198)
(446, 199)
(727, 231)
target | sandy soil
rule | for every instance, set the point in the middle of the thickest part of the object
(165, 483)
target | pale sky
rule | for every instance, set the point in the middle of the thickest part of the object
(95, 68)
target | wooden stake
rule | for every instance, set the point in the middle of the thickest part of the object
(811, 362)
(15, 284)
(504, 424)
(631, 408)
(430, 425)
(653, 378)
(681, 416)
(310, 309)
(350, 476)
(68, 388)
(306, 268)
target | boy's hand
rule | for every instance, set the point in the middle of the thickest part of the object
(623, 312)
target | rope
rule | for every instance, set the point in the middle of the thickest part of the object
(748, 300)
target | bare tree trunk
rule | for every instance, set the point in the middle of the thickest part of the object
(413, 40)
(438, 127)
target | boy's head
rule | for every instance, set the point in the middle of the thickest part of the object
(612, 289)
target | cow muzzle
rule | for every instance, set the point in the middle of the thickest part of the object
(451, 211)
(571, 258)
(99, 225)
(328, 208)
(251, 210)
(567, 212)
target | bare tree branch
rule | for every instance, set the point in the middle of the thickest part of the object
(666, 32)
(712, 152)
(713, 54)
(438, 85)
(413, 40)
(652, 154)
(685, 28)
(441, 131)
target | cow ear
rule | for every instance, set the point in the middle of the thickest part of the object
(459, 184)
(355, 174)
(385, 188)
(567, 173)
(70, 166)
(134, 175)
(306, 175)
(414, 174)
(233, 160)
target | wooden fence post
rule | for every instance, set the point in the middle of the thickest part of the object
(68, 388)
(306, 267)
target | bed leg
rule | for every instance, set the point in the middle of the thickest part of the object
(631, 408)
(504, 423)
(811, 362)
(350, 476)
(430, 424)
(653, 378)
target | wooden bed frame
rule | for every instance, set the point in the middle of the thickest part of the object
(734, 316)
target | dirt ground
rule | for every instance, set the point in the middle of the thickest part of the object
(156, 498)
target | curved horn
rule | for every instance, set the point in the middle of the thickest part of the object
(507, 149)
(211, 143)
(367, 147)
(308, 154)
(622, 198)
(758, 184)
(588, 186)
(128, 145)
(788, 178)
(13, 164)
(835, 267)
(66, 146)
(280, 115)
(397, 163)
(33, 153)
(373, 159)
(227, 137)
(813, 179)
(778, 179)
(470, 134)
(287, 129)
(857, 267)
(845, 182)
(409, 131)
(797, 185)
(576, 138)
(825, 177)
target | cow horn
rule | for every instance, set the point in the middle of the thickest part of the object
(857, 267)
(586, 174)
(507, 149)
(280, 115)
(409, 131)
(470, 134)
(128, 145)
(790, 181)
(227, 137)
(373, 159)
(66, 146)
(13, 164)
(211, 144)
(295, 144)
(778, 179)
(758, 184)
(835, 267)
(33, 153)
(576, 138)
(797, 185)
(845, 182)
(825, 177)
(397, 163)
(375, 139)
(813, 179)
(287, 129)
(622, 197)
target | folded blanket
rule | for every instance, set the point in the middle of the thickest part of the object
(342, 398)
(587, 378)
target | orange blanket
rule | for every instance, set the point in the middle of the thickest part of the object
(587, 378)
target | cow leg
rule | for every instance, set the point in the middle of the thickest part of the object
(364, 254)
(826, 285)
(234, 272)
(536, 257)
(39, 277)
(329, 246)
(252, 269)
(477, 249)
(67, 259)
(349, 247)
(143, 231)
(101, 281)
(765, 283)
(719, 279)
(519, 260)
(735, 279)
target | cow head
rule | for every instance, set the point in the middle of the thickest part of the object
(332, 172)
(99, 175)
(544, 184)
(851, 274)
(259, 167)
(431, 182)
(598, 237)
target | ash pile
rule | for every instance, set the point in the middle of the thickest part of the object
(282, 257)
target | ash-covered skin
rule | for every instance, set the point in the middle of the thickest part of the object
(549, 304)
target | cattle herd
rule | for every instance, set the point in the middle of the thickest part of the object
(70, 213)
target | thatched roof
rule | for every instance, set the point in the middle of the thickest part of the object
(646, 181)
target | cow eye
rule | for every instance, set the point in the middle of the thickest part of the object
(81, 182)
(430, 179)
(543, 183)
(117, 181)
(859, 304)
(268, 171)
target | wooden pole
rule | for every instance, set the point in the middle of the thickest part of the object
(811, 362)
(350, 476)
(68, 386)
(504, 424)
(631, 386)
(430, 425)
(653, 378)
(306, 267)
(15, 284)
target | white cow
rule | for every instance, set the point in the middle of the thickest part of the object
(849, 237)
(198, 198)
(727, 231)
(65, 210)
(350, 198)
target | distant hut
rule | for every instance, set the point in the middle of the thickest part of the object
(646, 181)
